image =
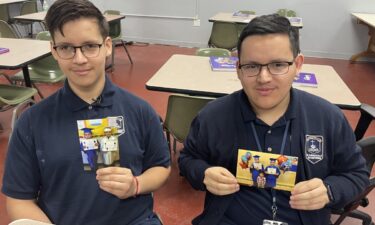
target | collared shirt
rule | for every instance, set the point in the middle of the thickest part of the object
(255, 203)
(44, 159)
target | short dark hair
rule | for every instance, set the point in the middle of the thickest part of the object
(63, 11)
(271, 24)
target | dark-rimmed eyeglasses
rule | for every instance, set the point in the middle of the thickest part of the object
(69, 51)
(274, 68)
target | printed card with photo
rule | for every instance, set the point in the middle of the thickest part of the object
(99, 143)
(266, 170)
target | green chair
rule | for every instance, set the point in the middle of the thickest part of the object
(6, 31)
(181, 111)
(220, 52)
(26, 8)
(223, 35)
(242, 26)
(17, 97)
(116, 34)
(286, 12)
(4, 12)
(45, 70)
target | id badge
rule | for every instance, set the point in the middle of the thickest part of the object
(273, 222)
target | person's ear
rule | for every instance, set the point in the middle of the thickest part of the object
(108, 46)
(299, 62)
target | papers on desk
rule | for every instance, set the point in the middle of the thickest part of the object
(227, 64)
(305, 79)
(240, 14)
(4, 50)
(295, 20)
(28, 222)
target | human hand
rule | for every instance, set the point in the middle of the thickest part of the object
(309, 195)
(220, 181)
(117, 181)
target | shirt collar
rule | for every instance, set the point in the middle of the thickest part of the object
(75, 103)
(248, 113)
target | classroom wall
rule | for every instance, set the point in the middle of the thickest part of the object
(329, 30)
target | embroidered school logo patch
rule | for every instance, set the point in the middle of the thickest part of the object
(314, 148)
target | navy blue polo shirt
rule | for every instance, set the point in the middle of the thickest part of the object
(44, 160)
(255, 203)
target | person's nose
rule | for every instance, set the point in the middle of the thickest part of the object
(264, 75)
(79, 57)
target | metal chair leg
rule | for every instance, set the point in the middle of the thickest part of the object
(127, 52)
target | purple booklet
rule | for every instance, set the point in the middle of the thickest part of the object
(4, 50)
(223, 63)
(305, 79)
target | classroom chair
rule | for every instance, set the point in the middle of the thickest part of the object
(368, 150)
(181, 110)
(6, 31)
(241, 26)
(45, 70)
(224, 35)
(115, 33)
(16, 97)
(27, 7)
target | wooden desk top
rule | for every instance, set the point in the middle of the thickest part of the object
(22, 52)
(228, 17)
(3, 2)
(39, 17)
(186, 74)
(368, 18)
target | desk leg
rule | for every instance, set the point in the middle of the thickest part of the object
(370, 52)
(26, 76)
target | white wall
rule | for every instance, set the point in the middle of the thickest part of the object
(329, 30)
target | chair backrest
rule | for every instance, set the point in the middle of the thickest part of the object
(181, 111)
(114, 26)
(29, 7)
(4, 13)
(220, 52)
(47, 66)
(6, 31)
(224, 35)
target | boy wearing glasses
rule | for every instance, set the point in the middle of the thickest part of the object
(44, 177)
(270, 116)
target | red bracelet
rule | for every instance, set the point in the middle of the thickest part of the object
(136, 186)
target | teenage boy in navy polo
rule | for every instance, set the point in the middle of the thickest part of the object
(44, 177)
(269, 115)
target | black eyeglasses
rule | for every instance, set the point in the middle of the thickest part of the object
(274, 68)
(69, 51)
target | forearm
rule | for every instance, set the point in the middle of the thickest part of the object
(25, 209)
(152, 179)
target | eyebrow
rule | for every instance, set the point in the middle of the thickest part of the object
(70, 44)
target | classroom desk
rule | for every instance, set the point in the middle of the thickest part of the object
(21, 53)
(3, 2)
(367, 19)
(187, 74)
(228, 17)
(39, 17)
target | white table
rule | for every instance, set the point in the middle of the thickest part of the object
(228, 17)
(187, 74)
(367, 19)
(23, 52)
(39, 17)
(4, 2)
